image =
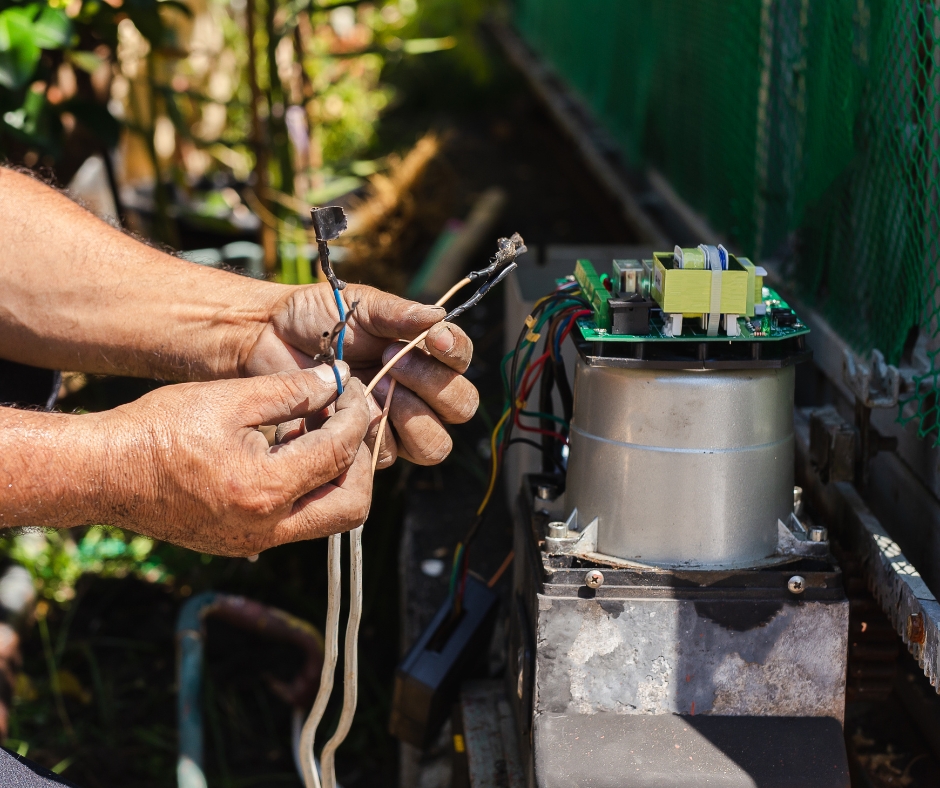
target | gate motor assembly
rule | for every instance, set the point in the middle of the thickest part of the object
(673, 622)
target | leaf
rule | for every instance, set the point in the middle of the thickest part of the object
(53, 29)
(86, 61)
(19, 53)
(423, 46)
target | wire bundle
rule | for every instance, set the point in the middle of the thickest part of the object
(499, 268)
(553, 317)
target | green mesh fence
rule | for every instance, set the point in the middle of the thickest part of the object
(807, 131)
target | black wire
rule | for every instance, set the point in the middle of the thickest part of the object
(478, 295)
(534, 445)
(546, 384)
(508, 440)
(554, 298)
(564, 389)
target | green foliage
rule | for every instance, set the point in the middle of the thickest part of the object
(57, 559)
(24, 32)
(35, 38)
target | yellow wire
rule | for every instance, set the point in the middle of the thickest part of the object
(542, 300)
(489, 492)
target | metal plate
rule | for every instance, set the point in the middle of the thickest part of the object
(666, 751)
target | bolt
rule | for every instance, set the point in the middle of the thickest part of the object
(818, 533)
(797, 501)
(796, 584)
(594, 578)
(558, 530)
(545, 492)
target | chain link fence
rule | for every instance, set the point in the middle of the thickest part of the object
(807, 131)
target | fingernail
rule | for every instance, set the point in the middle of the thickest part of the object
(443, 339)
(325, 372)
(430, 312)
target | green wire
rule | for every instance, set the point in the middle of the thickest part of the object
(453, 572)
(537, 415)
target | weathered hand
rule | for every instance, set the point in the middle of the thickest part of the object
(186, 463)
(431, 388)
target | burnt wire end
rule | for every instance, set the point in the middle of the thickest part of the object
(502, 263)
(329, 223)
(508, 250)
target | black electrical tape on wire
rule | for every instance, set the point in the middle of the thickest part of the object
(478, 295)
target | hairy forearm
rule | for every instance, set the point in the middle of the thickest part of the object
(52, 469)
(75, 293)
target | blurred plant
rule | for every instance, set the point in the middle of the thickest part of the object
(55, 76)
(57, 559)
(209, 94)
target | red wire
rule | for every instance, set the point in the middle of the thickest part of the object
(524, 385)
(527, 385)
(540, 431)
(571, 323)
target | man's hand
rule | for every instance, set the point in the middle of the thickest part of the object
(210, 481)
(431, 388)
(187, 464)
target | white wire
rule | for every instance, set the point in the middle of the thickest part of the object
(351, 651)
(350, 659)
(330, 653)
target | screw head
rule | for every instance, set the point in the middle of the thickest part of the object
(545, 492)
(558, 530)
(818, 533)
(796, 584)
(594, 578)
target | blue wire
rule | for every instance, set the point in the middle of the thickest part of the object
(339, 381)
(561, 329)
(342, 333)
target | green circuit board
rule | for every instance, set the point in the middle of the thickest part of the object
(760, 328)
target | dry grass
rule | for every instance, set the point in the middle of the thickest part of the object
(405, 207)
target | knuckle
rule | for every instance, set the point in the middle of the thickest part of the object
(344, 448)
(286, 390)
(254, 498)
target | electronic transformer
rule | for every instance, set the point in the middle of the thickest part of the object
(674, 622)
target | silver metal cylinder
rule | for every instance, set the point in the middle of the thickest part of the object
(682, 467)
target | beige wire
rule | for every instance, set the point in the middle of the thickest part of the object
(391, 386)
(414, 342)
(351, 650)
(450, 293)
(350, 660)
(330, 654)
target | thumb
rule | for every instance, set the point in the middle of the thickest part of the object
(274, 399)
(388, 316)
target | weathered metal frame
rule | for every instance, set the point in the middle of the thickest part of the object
(894, 581)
